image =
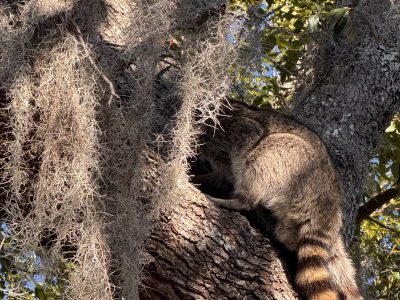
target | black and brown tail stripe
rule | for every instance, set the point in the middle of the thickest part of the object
(313, 278)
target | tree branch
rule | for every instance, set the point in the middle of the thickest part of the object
(198, 250)
(376, 202)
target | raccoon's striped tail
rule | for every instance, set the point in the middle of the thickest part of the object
(343, 272)
(324, 270)
(313, 278)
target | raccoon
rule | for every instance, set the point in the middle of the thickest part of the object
(264, 158)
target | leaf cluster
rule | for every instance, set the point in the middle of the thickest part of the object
(21, 275)
(284, 38)
(380, 234)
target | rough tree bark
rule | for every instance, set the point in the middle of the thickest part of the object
(351, 91)
(202, 252)
(352, 95)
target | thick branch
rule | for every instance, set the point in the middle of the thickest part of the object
(375, 203)
(200, 251)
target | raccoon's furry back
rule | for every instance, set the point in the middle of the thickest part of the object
(273, 161)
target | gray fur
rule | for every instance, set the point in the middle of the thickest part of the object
(273, 161)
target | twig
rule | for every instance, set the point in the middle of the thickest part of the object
(2, 241)
(383, 225)
(270, 13)
(113, 94)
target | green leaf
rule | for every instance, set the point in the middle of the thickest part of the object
(395, 170)
(258, 101)
(338, 21)
(39, 292)
(313, 22)
(283, 42)
(391, 128)
(342, 27)
(269, 42)
(396, 275)
(318, 7)
(335, 15)
(382, 170)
